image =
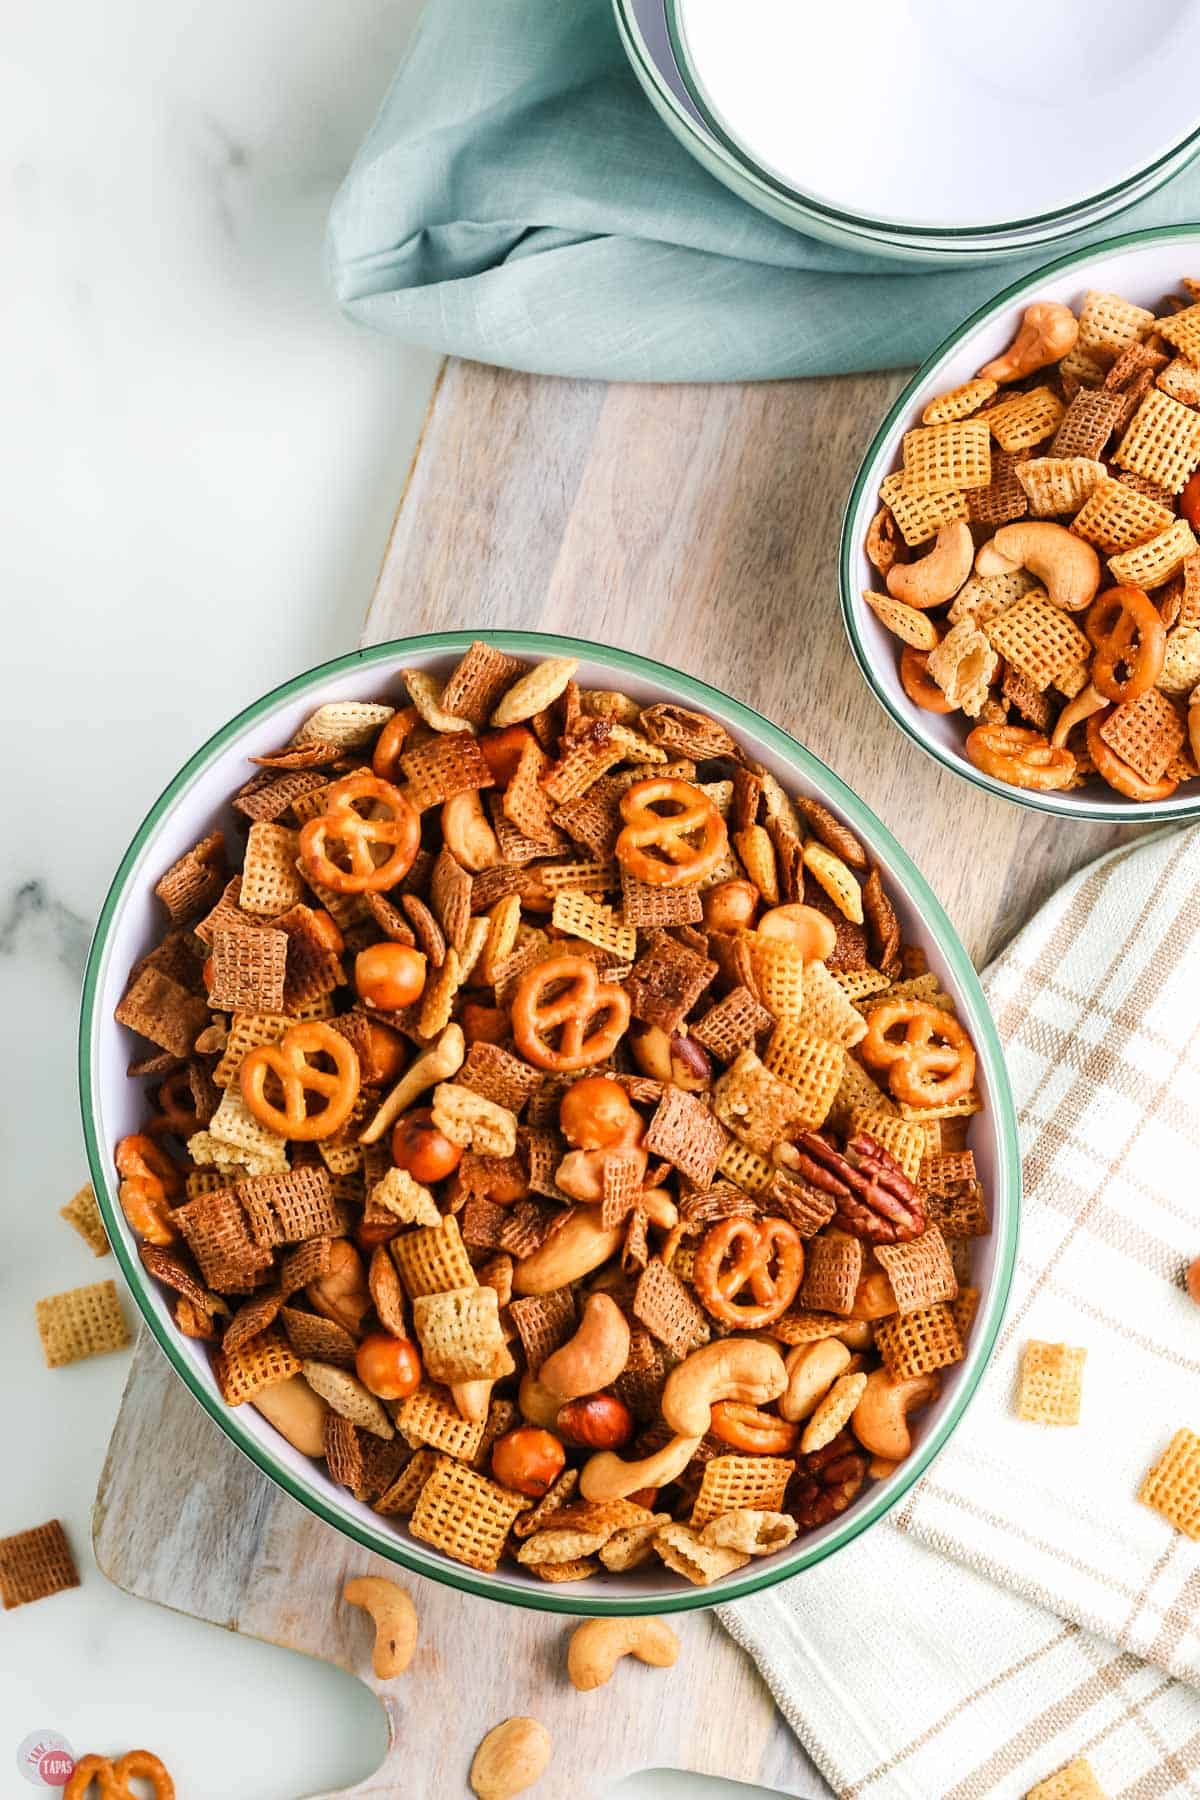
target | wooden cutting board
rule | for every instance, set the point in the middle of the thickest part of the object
(698, 525)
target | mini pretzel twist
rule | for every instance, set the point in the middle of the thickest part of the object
(357, 835)
(764, 1254)
(1131, 643)
(290, 1060)
(1022, 758)
(113, 1779)
(658, 847)
(932, 1064)
(573, 1011)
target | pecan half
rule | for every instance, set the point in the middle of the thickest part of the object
(826, 1482)
(882, 924)
(875, 1199)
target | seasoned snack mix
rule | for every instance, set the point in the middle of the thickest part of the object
(548, 1127)
(1037, 551)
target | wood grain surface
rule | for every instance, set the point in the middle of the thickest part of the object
(697, 525)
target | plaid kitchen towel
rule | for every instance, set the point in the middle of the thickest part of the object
(1021, 1608)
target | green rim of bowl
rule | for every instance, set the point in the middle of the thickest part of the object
(864, 822)
(1126, 812)
(1057, 219)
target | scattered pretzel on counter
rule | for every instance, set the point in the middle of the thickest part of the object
(550, 1127)
(1037, 551)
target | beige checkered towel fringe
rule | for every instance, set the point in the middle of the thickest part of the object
(1023, 1608)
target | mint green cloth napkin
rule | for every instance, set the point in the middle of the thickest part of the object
(519, 201)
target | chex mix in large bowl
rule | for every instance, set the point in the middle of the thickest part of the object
(550, 1129)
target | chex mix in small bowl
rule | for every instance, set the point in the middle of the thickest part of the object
(548, 1125)
(1036, 550)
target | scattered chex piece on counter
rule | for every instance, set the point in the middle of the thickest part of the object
(1075, 1782)
(1051, 1386)
(82, 1322)
(82, 1214)
(35, 1564)
(1172, 1486)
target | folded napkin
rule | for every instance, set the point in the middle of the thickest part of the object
(1020, 1607)
(518, 200)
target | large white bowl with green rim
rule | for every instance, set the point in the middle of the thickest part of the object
(908, 168)
(1141, 266)
(197, 798)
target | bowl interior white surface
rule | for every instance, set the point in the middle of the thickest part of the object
(114, 1105)
(1141, 268)
(935, 115)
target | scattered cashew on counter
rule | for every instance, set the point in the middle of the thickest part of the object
(598, 1645)
(395, 1616)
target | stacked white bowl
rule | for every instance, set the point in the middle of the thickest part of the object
(927, 130)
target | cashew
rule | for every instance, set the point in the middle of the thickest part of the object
(296, 1412)
(1085, 703)
(880, 1420)
(1048, 329)
(442, 1060)
(510, 1759)
(395, 1619)
(606, 1477)
(734, 1368)
(598, 1645)
(880, 1467)
(1069, 567)
(466, 832)
(938, 575)
(594, 1357)
(576, 1248)
(812, 1370)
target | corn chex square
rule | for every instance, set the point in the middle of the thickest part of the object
(1024, 420)
(1162, 442)
(1151, 564)
(920, 516)
(1037, 638)
(942, 459)
(1051, 1383)
(1172, 1486)
(433, 1259)
(730, 1482)
(83, 1322)
(465, 1515)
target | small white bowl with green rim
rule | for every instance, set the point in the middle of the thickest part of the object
(910, 169)
(1142, 266)
(197, 798)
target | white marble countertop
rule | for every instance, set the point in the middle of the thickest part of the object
(201, 459)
